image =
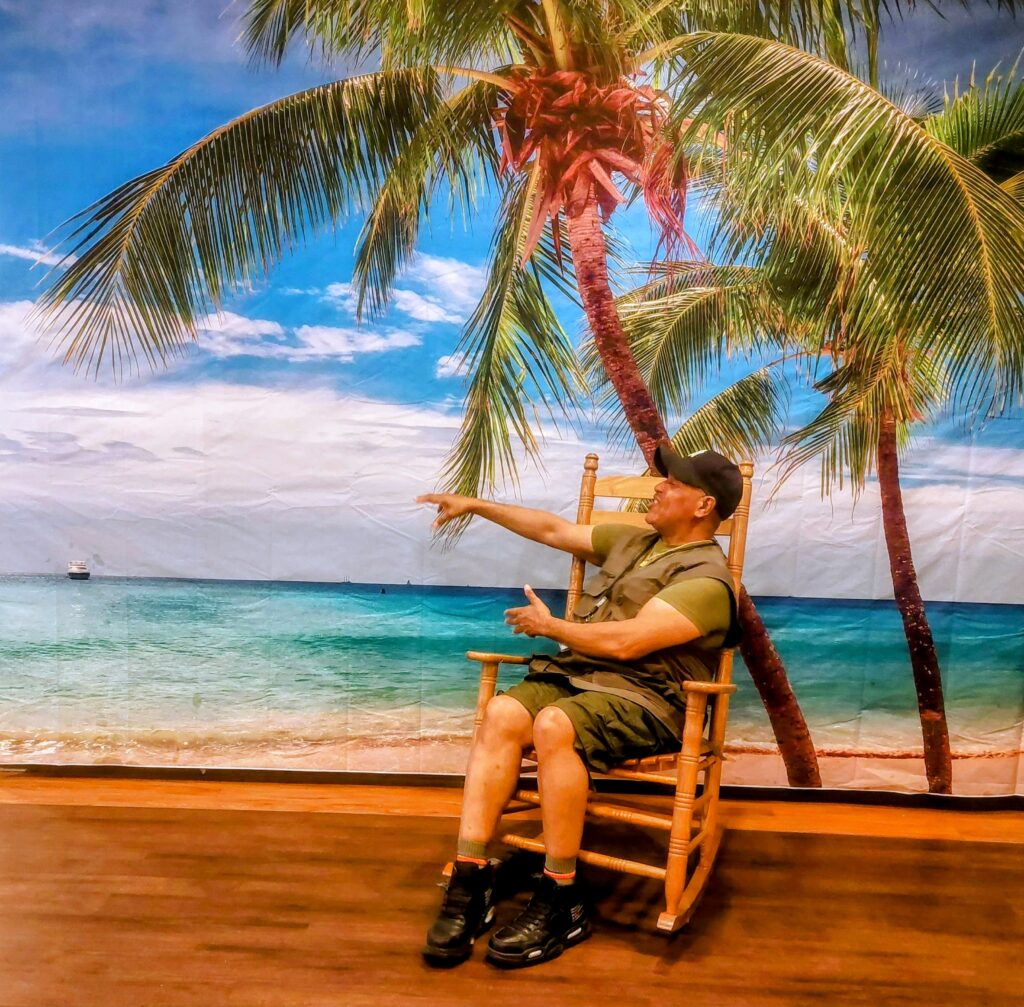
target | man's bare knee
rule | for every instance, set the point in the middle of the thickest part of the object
(552, 729)
(506, 719)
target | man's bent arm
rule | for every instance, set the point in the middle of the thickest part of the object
(657, 625)
(537, 525)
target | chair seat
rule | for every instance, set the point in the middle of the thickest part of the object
(652, 768)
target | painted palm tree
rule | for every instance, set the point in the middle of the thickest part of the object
(826, 275)
(561, 125)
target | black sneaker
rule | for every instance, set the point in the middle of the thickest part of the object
(466, 912)
(553, 920)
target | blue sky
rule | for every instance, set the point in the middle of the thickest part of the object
(93, 92)
(92, 97)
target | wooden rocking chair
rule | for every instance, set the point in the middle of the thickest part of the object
(692, 824)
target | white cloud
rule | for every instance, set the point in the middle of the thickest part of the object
(222, 480)
(228, 481)
(317, 341)
(231, 335)
(35, 253)
(423, 308)
(452, 282)
(453, 365)
(185, 32)
(343, 297)
(25, 354)
(434, 289)
(22, 348)
(933, 461)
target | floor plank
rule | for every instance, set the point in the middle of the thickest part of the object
(444, 802)
(132, 906)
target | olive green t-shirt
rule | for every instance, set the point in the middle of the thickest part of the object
(703, 600)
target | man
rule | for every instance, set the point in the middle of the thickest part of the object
(658, 611)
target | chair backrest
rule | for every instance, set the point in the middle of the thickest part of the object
(623, 488)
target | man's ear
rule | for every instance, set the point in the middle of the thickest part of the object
(706, 506)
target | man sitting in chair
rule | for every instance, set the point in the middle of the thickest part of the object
(659, 610)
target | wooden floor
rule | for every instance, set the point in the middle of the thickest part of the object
(444, 802)
(121, 903)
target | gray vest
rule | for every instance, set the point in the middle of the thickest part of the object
(618, 591)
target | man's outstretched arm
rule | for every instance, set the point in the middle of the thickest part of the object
(657, 625)
(536, 525)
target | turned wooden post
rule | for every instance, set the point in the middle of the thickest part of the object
(720, 707)
(583, 512)
(682, 804)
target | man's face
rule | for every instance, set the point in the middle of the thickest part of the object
(677, 504)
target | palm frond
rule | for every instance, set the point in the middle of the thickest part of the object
(897, 382)
(815, 25)
(683, 324)
(915, 95)
(516, 352)
(985, 124)
(1014, 185)
(397, 32)
(149, 259)
(826, 27)
(642, 24)
(931, 231)
(454, 145)
(795, 233)
(741, 419)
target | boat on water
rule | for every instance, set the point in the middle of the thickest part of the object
(78, 569)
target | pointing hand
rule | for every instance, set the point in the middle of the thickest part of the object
(449, 506)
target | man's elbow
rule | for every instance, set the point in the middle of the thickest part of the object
(629, 647)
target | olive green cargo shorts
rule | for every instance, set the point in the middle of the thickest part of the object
(609, 729)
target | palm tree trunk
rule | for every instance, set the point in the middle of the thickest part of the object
(938, 762)
(769, 674)
(590, 258)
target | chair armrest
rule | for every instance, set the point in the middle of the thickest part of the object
(710, 688)
(485, 658)
(489, 679)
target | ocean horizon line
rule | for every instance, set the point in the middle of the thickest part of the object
(409, 585)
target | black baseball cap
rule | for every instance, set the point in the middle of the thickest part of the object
(707, 470)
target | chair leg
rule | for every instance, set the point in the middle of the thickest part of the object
(670, 922)
(682, 812)
(485, 692)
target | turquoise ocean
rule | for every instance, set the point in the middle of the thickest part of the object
(253, 673)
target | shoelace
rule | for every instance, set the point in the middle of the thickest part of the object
(457, 898)
(536, 910)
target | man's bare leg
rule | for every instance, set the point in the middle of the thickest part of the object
(491, 776)
(563, 782)
(493, 769)
(556, 917)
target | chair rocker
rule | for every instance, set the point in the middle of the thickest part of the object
(692, 822)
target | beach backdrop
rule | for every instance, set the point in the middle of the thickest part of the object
(266, 594)
(373, 677)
